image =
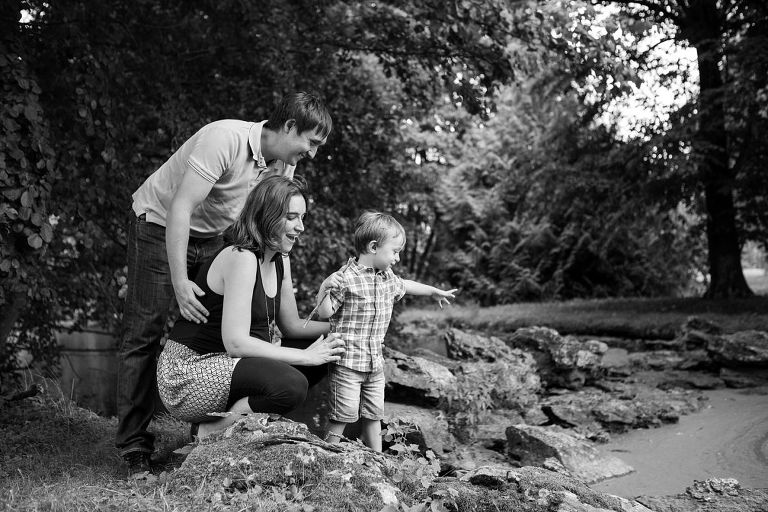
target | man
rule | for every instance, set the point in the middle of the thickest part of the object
(178, 216)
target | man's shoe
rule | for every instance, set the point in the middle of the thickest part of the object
(138, 462)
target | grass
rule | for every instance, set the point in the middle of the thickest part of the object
(642, 318)
(56, 456)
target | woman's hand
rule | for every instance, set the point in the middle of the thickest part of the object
(326, 349)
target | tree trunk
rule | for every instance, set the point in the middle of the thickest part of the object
(702, 26)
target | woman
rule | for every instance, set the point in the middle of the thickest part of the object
(231, 363)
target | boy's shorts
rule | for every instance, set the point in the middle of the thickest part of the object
(352, 392)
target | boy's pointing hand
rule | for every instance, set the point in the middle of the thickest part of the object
(444, 295)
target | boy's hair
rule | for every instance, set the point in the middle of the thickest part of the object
(263, 214)
(375, 226)
(308, 110)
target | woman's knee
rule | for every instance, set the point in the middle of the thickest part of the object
(294, 390)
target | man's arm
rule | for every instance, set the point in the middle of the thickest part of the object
(191, 192)
(416, 288)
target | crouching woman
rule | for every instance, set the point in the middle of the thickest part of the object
(231, 363)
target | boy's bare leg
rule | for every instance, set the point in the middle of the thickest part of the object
(335, 431)
(371, 430)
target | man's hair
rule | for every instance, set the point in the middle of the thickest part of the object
(260, 220)
(375, 226)
(307, 109)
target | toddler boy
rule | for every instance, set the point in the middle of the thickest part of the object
(358, 299)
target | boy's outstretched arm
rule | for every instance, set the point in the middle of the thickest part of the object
(416, 288)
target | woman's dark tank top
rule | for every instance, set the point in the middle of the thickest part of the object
(206, 338)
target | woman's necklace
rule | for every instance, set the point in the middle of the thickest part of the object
(270, 322)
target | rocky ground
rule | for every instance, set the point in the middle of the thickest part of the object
(484, 423)
(497, 423)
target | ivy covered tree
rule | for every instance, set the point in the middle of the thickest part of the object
(123, 84)
(27, 172)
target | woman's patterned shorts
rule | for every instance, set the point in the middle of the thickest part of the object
(192, 385)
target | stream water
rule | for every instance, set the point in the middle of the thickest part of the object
(727, 438)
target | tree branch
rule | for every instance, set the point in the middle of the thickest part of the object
(654, 7)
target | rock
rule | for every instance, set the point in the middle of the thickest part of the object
(711, 495)
(415, 380)
(430, 429)
(528, 489)
(697, 332)
(411, 336)
(430, 355)
(564, 361)
(655, 360)
(531, 446)
(743, 348)
(474, 347)
(263, 452)
(739, 379)
(694, 323)
(265, 461)
(619, 406)
(491, 426)
(471, 456)
(512, 383)
(670, 379)
(615, 358)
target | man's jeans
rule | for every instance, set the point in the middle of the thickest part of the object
(150, 298)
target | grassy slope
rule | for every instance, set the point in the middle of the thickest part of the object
(646, 318)
(56, 456)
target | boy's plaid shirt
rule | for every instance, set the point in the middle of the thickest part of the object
(362, 311)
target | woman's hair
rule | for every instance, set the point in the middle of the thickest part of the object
(375, 226)
(257, 226)
(308, 110)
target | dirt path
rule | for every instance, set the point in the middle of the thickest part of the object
(728, 438)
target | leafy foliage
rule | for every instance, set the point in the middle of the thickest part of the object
(511, 192)
(27, 170)
(127, 82)
(536, 205)
(413, 468)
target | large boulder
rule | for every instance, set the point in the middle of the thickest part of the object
(415, 380)
(512, 383)
(530, 445)
(564, 361)
(740, 349)
(490, 373)
(465, 346)
(427, 428)
(618, 407)
(263, 457)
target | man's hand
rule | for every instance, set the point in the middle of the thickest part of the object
(444, 295)
(189, 307)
